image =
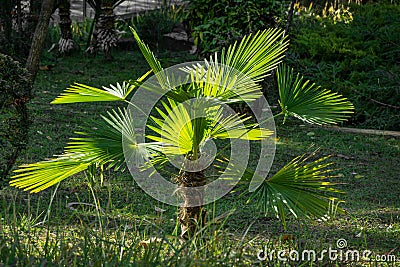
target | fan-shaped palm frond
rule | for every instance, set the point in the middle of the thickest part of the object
(308, 102)
(222, 82)
(104, 138)
(98, 146)
(85, 93)
(233, 127)
(38, 176)
(256, 55)
(151, 59)
(234, 77)
(181, 130)
(303, 188)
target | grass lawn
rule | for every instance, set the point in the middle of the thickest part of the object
(131, 229)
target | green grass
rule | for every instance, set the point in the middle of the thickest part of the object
(127, 230)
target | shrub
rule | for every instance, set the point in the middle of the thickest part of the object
(216, 24)
(153, 24)
(15, 90)
(358, 58)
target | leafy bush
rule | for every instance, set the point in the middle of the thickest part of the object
(14, 93)
(358, 58)
(153, 24)
(216, 24)
(17, 23)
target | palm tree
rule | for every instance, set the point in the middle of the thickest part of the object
(300, 186)
(66, 43)
(104, 37)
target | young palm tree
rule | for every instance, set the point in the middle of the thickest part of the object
(300, 186)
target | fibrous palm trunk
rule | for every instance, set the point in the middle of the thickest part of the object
(191, 218)
(66, 44)
(104, 37)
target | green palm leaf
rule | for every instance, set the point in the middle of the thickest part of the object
(163, 86)
(256, 55)
(246, 63)
(180, 134)
(38, 176)
(104, 138)
(308, 102)
(303, 188)
(148, 55)
(97, 146)
(234, 77)
(151, 59)
(233, 127)
(175, 130)
(222, 82)
(84, 93)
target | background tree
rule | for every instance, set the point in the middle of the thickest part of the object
(39, 37)
(16, 85)
(66, 43)
(104, 37)
(18, 20)
(15, 88)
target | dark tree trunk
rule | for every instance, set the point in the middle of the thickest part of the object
(18, 94)
(6, 26)
(15, 35)
(34, 16)
(32, 63)
(19, 16)
(66, 44)
(106, 34)
(191, 218)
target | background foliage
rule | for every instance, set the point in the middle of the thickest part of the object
(15, 91)
(18, 20)
(353, 49)
(357, 55)
(216, 24)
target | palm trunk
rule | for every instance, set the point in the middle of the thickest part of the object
(191, 218)
(104, 34)
(66, 44)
